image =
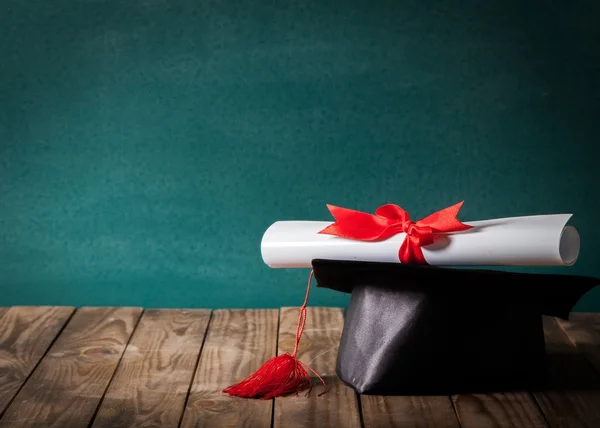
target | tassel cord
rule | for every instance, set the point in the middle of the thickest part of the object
(282, 374)
(300, 330)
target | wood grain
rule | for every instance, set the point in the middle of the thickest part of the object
(318, 349)
(3, 311)
(414, 411)
(153, 379)
(514, 409)
(66, 387)
(584, 331)
(237, 343)
(572, 398)
(26, 333)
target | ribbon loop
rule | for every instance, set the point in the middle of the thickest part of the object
(392, 211)
(390, 220)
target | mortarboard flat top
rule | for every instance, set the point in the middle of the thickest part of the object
(547, 294)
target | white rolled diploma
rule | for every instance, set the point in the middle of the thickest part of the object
(542, 240)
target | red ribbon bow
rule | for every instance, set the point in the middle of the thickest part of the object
(390, 220)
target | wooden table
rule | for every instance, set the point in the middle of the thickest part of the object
(129, 367)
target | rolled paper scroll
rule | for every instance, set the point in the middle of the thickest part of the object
(540, 240)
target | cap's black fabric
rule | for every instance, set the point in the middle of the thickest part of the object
(429, 330)
(548, 294)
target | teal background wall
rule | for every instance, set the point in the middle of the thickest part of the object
(147, 145)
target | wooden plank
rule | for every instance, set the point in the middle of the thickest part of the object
(415, 411)
(505, 409)
(66, 387)
(155, 374)
(3, 311)
(572, 398)
(318, 349)
(237, 343)
(584, 331)
(26, 333)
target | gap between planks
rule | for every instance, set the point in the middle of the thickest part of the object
(26, 333)
(237, 343)
(152, 381)
(338, 407)
(67, 385)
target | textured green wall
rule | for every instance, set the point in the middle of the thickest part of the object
(147, 145)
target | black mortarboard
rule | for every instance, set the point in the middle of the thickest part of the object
(412, 329)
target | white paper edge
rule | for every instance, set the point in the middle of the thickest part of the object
(543, 240)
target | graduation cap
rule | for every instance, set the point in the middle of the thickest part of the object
(421, 318)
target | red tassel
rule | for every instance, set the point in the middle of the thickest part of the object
(281, 375)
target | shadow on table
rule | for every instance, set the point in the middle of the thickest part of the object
(570, 370)
(562, 370)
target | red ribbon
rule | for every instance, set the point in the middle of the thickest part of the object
(390, 220)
